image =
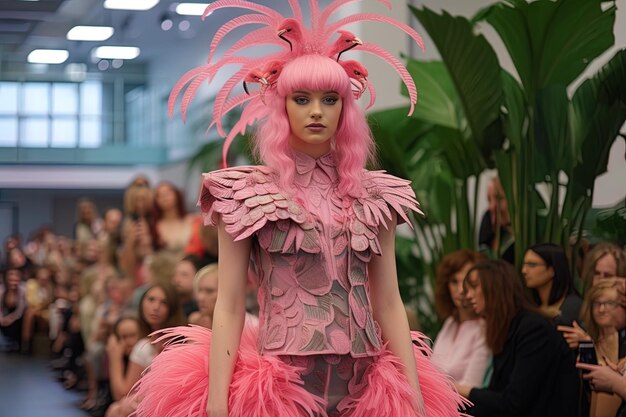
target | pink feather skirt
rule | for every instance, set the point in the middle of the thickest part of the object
(176, 383)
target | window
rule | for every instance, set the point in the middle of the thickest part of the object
(51, 114)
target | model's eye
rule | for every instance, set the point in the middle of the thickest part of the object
(300, 100)
(330, 100)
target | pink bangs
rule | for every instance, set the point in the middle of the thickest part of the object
(314, 73)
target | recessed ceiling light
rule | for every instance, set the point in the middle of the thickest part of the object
(48, 56)
(191, 9)
(90, 33)
(116, 52)
(130, 4)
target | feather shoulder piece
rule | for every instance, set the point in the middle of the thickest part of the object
(247, 198)
(385, 191)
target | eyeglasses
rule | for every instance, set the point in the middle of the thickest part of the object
(607, 304)
(533, 264)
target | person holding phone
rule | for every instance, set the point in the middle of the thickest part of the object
(598, 309)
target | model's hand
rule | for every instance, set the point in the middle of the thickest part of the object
(574, 335)
(603, 378)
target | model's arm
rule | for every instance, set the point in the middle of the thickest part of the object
(387, 305)
(228, 319)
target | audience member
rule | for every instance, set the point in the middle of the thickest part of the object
(546, 273)
(460, 348)
(39, 296)
(88, 225)
(158, 309)
(604, 260)
(598, 315)
(496, 233)
(16, 258)
(205, 293)
(12, 307)
(126, 333)
(533, 369)
(137, 230)
(183, 282)
(173, 226)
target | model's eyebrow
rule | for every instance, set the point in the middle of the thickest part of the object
(308, 93)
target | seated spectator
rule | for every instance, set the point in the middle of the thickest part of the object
(546, 273)
(172, 224)
(604, 260)
(126, 333)
(598, 315)
(460, 348)
(496, 233)
(111, 238)
(205, 293)
(117, 303)
(88, 224)
(159, 270)
(158, 309)
(137, 237)
(17, 259)
(39, 296)
(533, 369)
(183, 282)
(12, 307)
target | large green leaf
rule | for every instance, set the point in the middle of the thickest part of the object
(552, 42)
(438, 102)
(473, 68)
(598, 113)
(397, 137)
(515, 111)
(552, 140)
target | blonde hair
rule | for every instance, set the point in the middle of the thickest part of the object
(598, 252)
(204, 271)
(133, 194)
(586, 312)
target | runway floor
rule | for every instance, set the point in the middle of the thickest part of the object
(28, 389)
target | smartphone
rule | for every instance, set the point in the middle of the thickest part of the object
(587, 353)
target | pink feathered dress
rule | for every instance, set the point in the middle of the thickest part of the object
(317, 350)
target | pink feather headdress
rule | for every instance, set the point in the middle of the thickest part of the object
(295, 39)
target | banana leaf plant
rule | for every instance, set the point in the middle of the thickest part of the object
(548, 142)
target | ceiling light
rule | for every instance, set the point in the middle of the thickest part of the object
(191, 9)
(116, 52)
(90, 33)
(130, 4)
(48, 56)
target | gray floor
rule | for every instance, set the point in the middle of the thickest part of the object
(28, 389)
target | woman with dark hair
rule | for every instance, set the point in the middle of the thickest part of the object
(460, 347)
(172, 225)
(546, 273)
(12, 307)
(533, 370)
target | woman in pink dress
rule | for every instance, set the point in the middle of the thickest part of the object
(319, 230)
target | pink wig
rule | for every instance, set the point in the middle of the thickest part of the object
(353, 145)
